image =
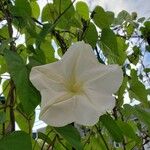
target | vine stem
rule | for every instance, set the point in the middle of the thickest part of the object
(10, 96)
(101, 135)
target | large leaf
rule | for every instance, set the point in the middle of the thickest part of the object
(113, 47)
(28, 95)
(137, 89)
(101, 18)
(16, 141)
(91, 35)
(49, 13)
(22, 8)
(112, 127)
(127, 130)
(82, 10)
(71, 134)
(142, 114)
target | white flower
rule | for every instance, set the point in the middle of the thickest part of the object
(77, 88)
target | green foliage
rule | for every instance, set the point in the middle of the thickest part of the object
(16, 141)
(71, 135)
(83, 10)
(29, 97)
(101, 18)
(29, 37)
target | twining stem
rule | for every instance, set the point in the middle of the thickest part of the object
(11, 96)
(102, 137)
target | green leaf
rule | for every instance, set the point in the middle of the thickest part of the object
(101, 18)
(112, 127)
(71, 134)
(35, 9)
(4, 32)
(137, 89)
(91, 35)
(83, 10)
(22, 8)
(141, 20)
(113, 47)
(127, 130)
(2, 117)
(122, 47)
(16, 141)
(143, 115)
(96, 143)
(147, 70)
(28, 95)
(121, 91)
(3, 66)
(44, 137)
(123, 16)
(61, 6)
(24, 122)
(130, 29)
(49, 13)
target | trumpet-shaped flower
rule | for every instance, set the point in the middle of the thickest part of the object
(77, 88)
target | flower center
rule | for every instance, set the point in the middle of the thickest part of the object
(75, 88)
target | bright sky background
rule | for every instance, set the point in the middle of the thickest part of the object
(142, 7)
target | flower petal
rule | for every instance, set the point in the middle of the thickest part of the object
(78, 58)
(105, 82)
(47, 76)
(59, 114)
(85, 112)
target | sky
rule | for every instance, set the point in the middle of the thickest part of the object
(142, 7)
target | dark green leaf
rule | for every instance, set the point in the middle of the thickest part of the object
(101, 18)
(127, 130)
(2, 117)
(28, 95)
(137, 89)
(112, 127)
(91, 35)
(22, 8)
(71, 134)
(147, 70)
(123, 16)
(16, 141)
(113, 47)
(121, 91)
(49, 13)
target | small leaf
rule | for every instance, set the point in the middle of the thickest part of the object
(35, 9)
(101, 18)
(49, 13)
(16, 141)
(91, 35)
(123, 16)
(71, 134)
(147, 70)
(83, 10)
(2, 117)
(137, 89)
